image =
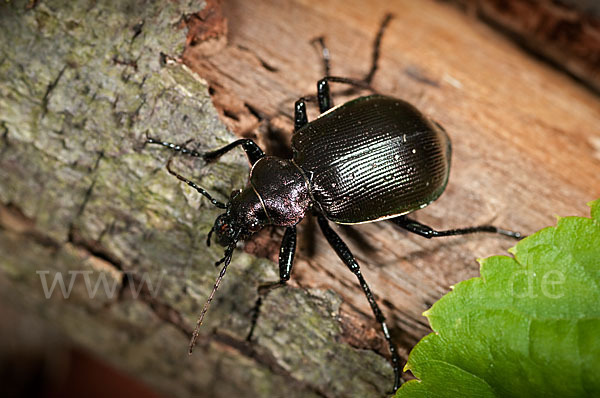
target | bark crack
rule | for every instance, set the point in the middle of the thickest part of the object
(260, 60)
(49, 89)
(248, 350)
(137, 30)
(4, 130)
(88, 192)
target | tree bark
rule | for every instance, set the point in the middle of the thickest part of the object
(83, 198)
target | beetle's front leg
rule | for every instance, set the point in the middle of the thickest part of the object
(252, 150)
(286, 261)
(174, 147)
(427, 232)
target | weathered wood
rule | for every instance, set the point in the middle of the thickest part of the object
(82, 83)
(567, 32)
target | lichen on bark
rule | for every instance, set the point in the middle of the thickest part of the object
(81, 83)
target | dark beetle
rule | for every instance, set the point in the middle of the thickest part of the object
(370, 159)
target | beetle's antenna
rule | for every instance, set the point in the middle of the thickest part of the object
(226, 260)
(192, 184)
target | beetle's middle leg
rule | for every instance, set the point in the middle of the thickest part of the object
(300, 117)
(286, 261)
(428, 232)
(346, 256)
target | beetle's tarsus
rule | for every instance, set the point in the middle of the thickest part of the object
(324, 53)
(511, 234)
(181, 148)
(376, 48)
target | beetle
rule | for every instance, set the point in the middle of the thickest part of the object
(370, 159)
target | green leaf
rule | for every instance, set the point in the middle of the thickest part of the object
(528, 327)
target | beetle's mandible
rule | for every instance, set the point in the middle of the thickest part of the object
(370, 159)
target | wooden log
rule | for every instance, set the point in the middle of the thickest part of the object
(81, 197)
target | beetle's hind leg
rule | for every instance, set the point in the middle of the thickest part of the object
(324, 54)
(323, 91)
(346, 256)
(377, 48)
(428, 232)
(286, 261)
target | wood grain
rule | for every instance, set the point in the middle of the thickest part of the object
(566, 33)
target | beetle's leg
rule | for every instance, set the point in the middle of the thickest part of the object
(323, 92)
(324, 95)
(346, 256)
(286, 261)
(376, 48)
(252, 150)
(286, 254)
(175, 147)
(428, 232)
(300, 117)
(324, 54)
(200, 190)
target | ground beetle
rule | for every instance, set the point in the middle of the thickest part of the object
(370, 159)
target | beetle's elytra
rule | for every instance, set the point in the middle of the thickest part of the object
(370, 159)
(383, 159)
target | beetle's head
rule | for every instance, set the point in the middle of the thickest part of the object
(225, 229)
(243, 217)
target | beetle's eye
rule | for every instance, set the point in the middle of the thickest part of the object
(224, 228)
